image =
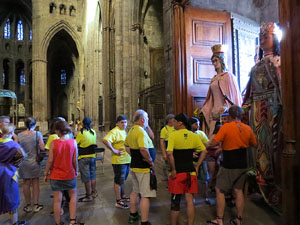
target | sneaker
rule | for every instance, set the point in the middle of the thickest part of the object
(27, 208)
(132, 218)
(125, 199)
(37, 208)
(121, 205)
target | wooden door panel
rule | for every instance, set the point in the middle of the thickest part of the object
(204, 28)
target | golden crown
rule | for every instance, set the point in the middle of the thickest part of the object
(267, 28)
(217, 49)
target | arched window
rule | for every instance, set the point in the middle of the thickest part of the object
(30, 35)
(22, 77)
(20, 33)
(63, 77)
(3, 79)
(7, 30)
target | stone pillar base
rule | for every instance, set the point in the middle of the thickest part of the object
(42, 126)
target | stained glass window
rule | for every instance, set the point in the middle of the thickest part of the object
(22, 77)
(3, 79)
(7, 29)
(20, 33)
(30, 35)
(63, 77)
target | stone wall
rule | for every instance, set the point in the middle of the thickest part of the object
(153, 37)
(80, 20)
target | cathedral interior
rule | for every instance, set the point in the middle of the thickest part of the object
(103, 58)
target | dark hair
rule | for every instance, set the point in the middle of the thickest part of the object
(63, 127)
(276, 47)
(184, 119)
(87, 125)
(235, 112)
(30, 122)
(120, 118)
(193, 120)
(53, 124)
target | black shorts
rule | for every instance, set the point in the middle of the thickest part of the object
(121, 172)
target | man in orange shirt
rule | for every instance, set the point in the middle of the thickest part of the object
(235, 137)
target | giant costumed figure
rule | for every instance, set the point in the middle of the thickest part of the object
(222, 93)
(264, 104)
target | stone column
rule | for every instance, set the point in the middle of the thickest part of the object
(134, 56)
(39, 68)
(121, 52)
(105, 63)
(39, 92)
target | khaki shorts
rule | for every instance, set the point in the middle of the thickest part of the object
(229, 179)
(141, 184)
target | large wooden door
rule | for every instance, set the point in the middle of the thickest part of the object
(203, 28)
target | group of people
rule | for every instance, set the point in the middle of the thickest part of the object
(184, 149)
(65, 157)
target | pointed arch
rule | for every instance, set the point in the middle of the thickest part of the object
(53, 30)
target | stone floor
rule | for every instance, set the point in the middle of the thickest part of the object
(103, 212)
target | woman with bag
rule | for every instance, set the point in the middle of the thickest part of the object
(32, 142)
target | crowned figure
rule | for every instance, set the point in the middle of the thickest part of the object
(222, 93)
(264, 105)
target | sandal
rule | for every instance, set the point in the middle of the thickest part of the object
(86, 198)
(75, 222)
(233, 220)
(120, 204)
(37, 208)
(211, 222)
(61, 212)
(94, 194)
(27, 208)
(125, 199)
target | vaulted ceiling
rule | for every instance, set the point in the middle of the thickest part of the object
(22, 8)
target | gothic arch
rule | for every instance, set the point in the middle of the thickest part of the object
(53, 30)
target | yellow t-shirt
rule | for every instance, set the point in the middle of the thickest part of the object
(138, 138)
(203, 136)
(4, 140)
(116, 137)
(185, 139)
(166, 131)
(51, 138)
(86, 139)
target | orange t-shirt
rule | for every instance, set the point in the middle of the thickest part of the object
(235, 135)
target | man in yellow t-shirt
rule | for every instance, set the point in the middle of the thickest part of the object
(181, 145)
(114, 141)
(86, 140)
(164, 137)
(165, 133)
(137, 143)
